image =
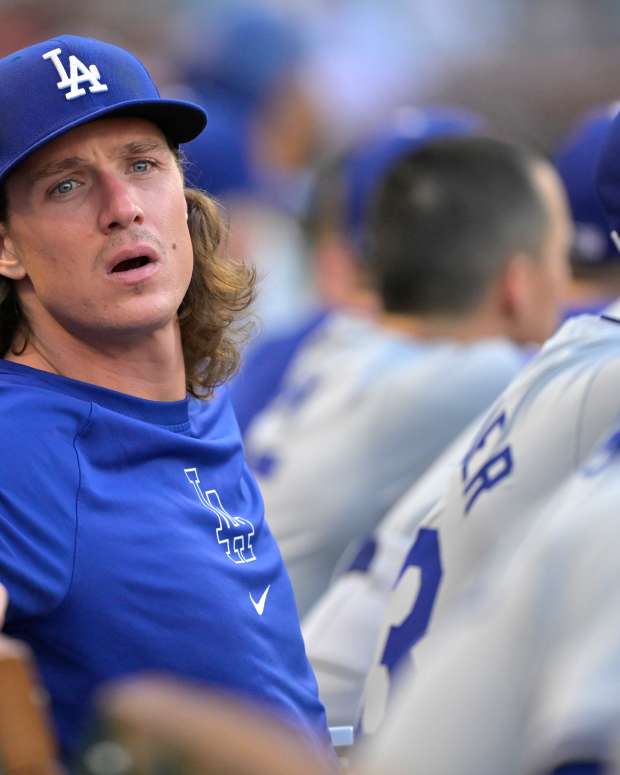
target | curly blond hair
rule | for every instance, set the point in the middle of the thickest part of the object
(212, 326)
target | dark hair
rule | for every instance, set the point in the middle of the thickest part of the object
(10, 308)
(445, 219)
(220, 289)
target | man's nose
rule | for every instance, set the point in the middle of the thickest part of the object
(119, 205)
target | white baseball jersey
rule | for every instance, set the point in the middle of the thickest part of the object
(536, 434)
(361, 415)
(524, 676)
(341, 630)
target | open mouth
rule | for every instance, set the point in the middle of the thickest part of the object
(131, 263)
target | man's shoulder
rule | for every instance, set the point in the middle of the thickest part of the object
(485, 356)
(31, 409)
(579, 349)
(265, 365)
(584, 333)
(473, 374)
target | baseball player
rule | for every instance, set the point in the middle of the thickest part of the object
(132, 535)
(365, 409)
(524, 677)
(334, 224)
(482, 494)
(595, 263)
(476, 495)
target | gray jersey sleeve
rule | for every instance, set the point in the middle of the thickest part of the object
(343, 630)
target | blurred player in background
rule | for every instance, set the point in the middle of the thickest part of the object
(334, 225)
(244, 65)
(132, 535)
(466, 247)
(595, 261)
(523, 678)
(477, 495)
(482, 494)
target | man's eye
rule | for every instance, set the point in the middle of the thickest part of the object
(143, 165)
(65, 187)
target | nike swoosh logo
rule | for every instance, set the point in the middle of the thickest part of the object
(259, 605)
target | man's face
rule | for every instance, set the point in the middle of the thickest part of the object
(96, 236)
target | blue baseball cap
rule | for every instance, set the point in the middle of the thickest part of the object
(608, 179)
(51, 87)
(576, 161)
(408, 128)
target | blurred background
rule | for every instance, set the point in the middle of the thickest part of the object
(288, 84)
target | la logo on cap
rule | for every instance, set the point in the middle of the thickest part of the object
(78, 74)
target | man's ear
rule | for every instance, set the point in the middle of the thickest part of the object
(10, 263)
(515, 284)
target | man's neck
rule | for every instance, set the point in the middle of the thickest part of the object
(467, 328)
(152, 368)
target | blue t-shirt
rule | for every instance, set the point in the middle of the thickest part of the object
(132, 538)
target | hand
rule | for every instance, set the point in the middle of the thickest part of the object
(27, 742)
(4, 601)
(153, 717)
